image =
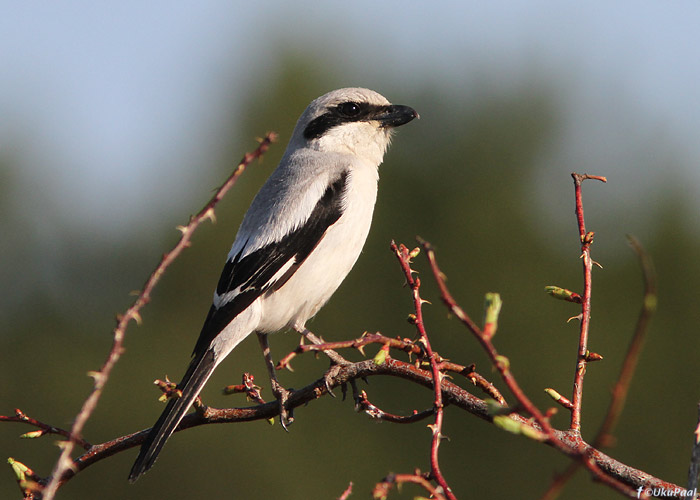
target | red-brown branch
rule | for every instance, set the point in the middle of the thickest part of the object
(452, 394)
(362, 403)
(346, 493)
(586, 239)
(406, 345)
(404, 257)
(381, 489)
(247, 387)
(43, 428)
(359, 344)
(475, 378)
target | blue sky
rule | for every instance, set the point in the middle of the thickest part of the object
(95, 95)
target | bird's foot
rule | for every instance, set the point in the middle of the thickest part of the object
(331, 373)
(282, 396)
(328, 377)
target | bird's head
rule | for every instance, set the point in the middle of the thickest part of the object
(355, 121)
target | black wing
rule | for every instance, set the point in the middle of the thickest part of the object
(254, 273)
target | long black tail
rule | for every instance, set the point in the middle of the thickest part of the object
(197, 374)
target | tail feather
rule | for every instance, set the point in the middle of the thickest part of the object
(197, 374)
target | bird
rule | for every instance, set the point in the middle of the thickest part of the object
(298, 240)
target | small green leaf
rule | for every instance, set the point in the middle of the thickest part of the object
(563, 294)
(494, 407)
(503, 362)
(380, 357)
(553, 394)
(493, 307)
(532, 433)
(507, 424)
(18, 468)
(32, 434)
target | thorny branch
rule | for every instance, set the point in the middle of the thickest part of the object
(101, 376)
(43, 428)
(346, 493)
(363, 404)
(404, 256)
(582, 355)
(452, 394)
(406, 345)
(381, 490)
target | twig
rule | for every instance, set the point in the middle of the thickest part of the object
(346, 493)
(362, 403)
(406, 345)
(475, 378)
(27, 480)
(100, 377)
(404, 256)
(335, 358)
(581, 360)
(247, 387)
(381, 489)
(43, 428)
(359, 344)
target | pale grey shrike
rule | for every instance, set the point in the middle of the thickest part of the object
(298, 240)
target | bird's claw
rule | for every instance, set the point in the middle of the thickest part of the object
(330, 374)
(282, 396)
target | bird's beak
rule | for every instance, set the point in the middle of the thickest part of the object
(396, 115)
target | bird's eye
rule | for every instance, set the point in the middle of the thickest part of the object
(349, 108)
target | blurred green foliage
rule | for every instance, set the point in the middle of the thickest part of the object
(467, 177)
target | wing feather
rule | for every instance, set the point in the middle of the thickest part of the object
(245, 279)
